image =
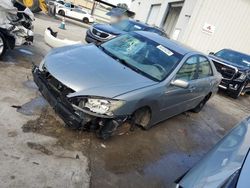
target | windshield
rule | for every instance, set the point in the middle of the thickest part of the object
(127, 26)
(143, 55)
(234, 57)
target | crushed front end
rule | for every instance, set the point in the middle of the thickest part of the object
(16, 24)
(70, 110)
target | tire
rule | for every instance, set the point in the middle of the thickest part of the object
(85, 20)
(61, 12)
(237, 93)
(200, 106)
(3, 45)
(33, 5)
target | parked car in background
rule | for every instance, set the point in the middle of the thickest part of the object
(99, 33)
(58, 2)
(227, 165)
(72, 11)
(235, 69)
(139, 77)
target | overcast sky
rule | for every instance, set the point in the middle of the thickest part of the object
(115, 2)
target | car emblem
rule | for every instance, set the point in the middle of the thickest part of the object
(99, 34)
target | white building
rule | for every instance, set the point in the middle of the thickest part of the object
(206, 25)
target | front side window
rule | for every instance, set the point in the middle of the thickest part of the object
(204, 68)
(188, 70)
(143, 55)
(127, 26)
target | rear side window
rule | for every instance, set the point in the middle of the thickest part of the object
(204, 68)
(188, 71)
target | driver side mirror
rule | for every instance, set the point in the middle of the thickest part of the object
(180, 83)
(211, 53)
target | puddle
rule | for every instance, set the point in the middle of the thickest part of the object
(49, 124)
(30, 84)
(25, 51)
(33, 107)
(172, 162)
(39, 147)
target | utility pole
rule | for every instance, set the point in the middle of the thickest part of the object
(93, 8)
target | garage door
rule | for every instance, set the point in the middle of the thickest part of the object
(153, 13)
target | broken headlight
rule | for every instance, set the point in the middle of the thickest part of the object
(98, 105)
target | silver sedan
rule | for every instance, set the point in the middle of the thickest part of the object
(139, 77)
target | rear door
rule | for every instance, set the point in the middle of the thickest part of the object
(205, 80)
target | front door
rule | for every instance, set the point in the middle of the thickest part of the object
(177, 100)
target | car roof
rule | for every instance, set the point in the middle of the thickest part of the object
(174, 45)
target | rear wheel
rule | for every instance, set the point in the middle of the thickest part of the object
(33, 5)
(3, 45)
(61, 12)
(200, 106)
(85, 20)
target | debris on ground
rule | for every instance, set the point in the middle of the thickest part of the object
(102, 145)
(51, 40)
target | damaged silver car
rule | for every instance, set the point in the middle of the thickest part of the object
(16, 26)
(138, 77)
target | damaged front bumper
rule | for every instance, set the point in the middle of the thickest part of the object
(60, 103)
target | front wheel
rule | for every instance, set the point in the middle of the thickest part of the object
(142, 117)
(85, 20)
(3, 45)
(237, 93)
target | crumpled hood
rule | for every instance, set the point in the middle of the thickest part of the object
(89, 71)
(109, 29)
(240, 67)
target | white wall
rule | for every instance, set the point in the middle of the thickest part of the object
(143, 9)
(231, 19)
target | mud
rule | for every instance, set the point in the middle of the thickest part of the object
(51, 125)
(39, 147)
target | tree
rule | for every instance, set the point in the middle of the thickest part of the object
(122, 5)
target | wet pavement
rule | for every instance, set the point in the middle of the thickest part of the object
(38, 150)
